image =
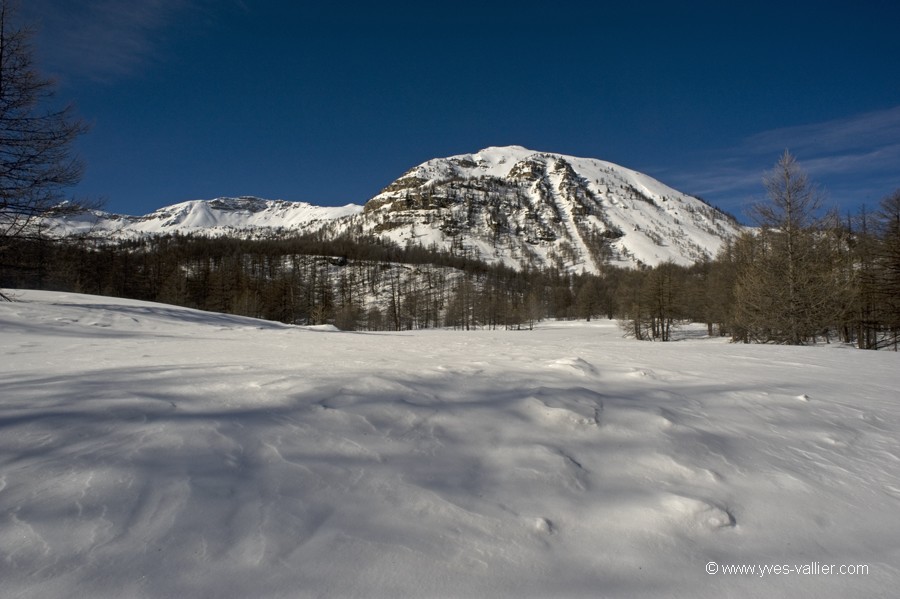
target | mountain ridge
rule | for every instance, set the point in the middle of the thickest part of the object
(524, 207)
(509, 205)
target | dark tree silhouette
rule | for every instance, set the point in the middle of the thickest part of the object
(36, 158)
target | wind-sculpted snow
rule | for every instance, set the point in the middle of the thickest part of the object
(154, 451)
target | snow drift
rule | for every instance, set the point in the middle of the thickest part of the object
(155, 451)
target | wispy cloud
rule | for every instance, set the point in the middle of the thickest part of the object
(104, 40)
(855, 160)
(860, 132)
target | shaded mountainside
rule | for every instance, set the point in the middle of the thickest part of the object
(504, 205)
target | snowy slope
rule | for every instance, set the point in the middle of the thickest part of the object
(519, 206)
(509, 205)
(155, 451)
(233, 216)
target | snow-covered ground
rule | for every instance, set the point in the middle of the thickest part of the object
(154, 451)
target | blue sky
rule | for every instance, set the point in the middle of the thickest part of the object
(328, 103)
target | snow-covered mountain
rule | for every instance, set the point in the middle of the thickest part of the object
(518, 206)
(221, 216)
(502, 204)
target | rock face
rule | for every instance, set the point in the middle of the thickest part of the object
(522, 207)
(509, 205)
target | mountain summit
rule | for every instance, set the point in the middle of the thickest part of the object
(521, 207)
(507, 204)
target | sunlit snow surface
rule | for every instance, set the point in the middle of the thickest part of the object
(154, 451)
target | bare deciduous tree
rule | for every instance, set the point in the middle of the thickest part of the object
(888, 266)
(36, 158)
(788, 293)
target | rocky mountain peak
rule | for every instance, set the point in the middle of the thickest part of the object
(522, 207)
(507, 204)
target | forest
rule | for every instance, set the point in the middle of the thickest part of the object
(797, 278)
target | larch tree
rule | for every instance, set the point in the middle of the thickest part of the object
(36, 158)
(888, 267)
(866, 292)
(788, 292)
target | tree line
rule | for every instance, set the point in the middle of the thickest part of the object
(353, 283)
(802, 275)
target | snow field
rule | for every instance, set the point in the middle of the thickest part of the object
(154, 451)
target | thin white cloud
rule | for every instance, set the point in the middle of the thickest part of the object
(876, 160)
(854, 159)
(864, 131)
